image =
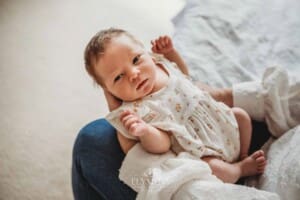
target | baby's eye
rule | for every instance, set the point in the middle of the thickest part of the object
(118, 77)
(136, 59)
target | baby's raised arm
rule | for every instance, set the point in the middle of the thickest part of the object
(163, 45)
(152, 139)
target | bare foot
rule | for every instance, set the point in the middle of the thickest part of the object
(253, 164)
(232, 172)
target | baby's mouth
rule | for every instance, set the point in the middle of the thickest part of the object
(141, 84)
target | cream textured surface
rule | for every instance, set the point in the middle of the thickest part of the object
(46, 96)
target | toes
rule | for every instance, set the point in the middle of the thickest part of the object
(261, 169)
(257, 154)
(263, 163)
(261, 166)
(260, 159)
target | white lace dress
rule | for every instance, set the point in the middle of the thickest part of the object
(199, 124)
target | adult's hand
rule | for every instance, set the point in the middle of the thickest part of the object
(112, 102)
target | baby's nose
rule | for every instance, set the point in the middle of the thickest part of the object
(134, 74)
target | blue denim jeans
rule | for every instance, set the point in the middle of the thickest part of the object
(97, 157)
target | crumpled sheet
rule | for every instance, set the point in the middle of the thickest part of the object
(228, 42)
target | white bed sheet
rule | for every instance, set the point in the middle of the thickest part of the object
(226, 42)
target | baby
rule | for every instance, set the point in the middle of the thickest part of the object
(162, 109)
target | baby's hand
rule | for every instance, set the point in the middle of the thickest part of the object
(133, 123)
(162, 45)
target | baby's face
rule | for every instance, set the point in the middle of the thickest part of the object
(127, 70)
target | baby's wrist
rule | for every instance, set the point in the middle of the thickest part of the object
(170, 52)
(145, 132)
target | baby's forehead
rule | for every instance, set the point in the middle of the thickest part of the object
(119, 47)
(119, 50)
(126, 39)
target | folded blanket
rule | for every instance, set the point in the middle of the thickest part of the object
(160, 176)
(166, 176)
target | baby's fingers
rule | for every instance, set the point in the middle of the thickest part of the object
(130, 121)
(163, 41)
(162, 44)
(159, 44)
(128, 118)
(168, 40)
(125, 113)
(154, 47)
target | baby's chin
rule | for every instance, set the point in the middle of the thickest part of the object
(132, 98)
(136, 98)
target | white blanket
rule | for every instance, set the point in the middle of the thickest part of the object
(164, 177)
(282, 174)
